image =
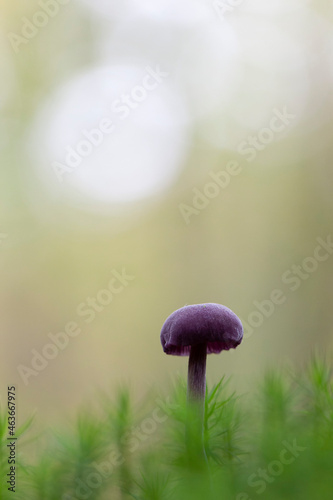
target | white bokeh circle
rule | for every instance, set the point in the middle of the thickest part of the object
(144, 147)
(179, 12)
(274, 8)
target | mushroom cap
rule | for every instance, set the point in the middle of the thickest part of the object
(214, 324)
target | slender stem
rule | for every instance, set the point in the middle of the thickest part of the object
(196, 382)
(196, 391)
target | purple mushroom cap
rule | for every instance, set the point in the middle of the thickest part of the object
(213, 324)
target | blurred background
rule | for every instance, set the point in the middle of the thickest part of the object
(116, 117)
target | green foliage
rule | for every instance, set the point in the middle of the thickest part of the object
(222, 425)
(276, 442)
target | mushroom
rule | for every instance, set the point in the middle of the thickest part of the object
(195, 331)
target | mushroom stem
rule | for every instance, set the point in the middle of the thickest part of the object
(196, 391)
(196, 381)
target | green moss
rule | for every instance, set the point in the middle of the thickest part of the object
(278, 443)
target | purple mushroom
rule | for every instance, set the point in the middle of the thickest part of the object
(198, 330)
